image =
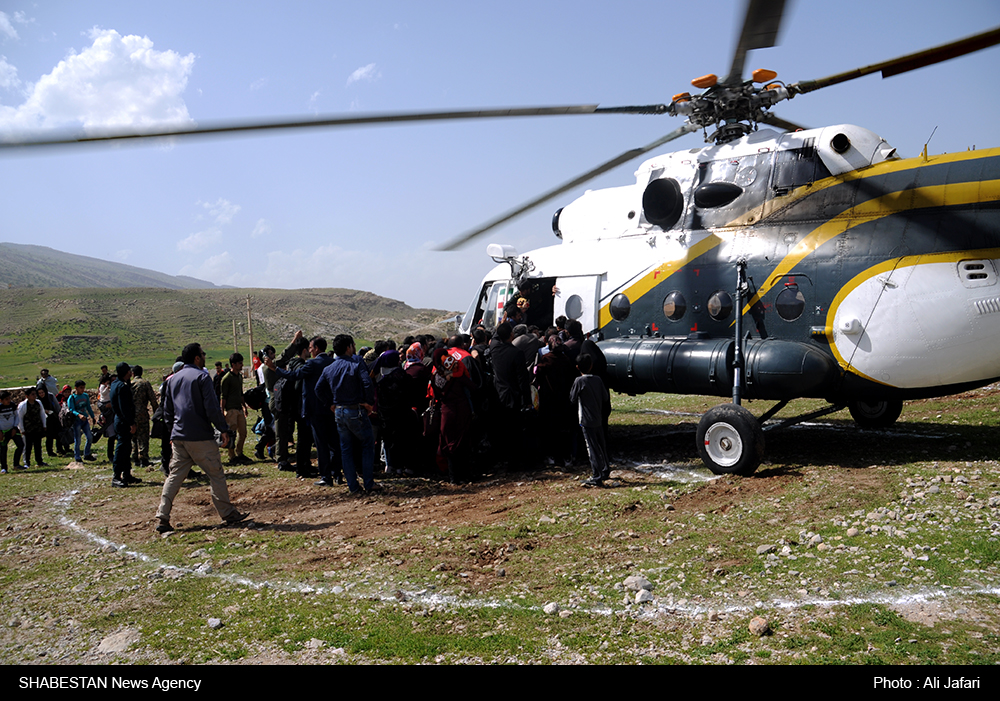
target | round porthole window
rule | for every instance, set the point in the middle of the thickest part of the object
(790, 303)
(674, 305)
(574, 307)
(620, 307)
(720, 305)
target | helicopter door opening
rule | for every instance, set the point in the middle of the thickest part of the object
(487, 308)
(579, 298)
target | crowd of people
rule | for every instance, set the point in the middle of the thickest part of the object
(514, 397)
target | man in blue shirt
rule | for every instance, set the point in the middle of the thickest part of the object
(190, 406)
(346, 387)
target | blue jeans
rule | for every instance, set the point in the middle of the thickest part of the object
(353, 425)
(81, 428)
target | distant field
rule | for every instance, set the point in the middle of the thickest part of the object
(73, 332)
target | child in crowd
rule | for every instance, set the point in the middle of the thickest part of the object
(594, 402)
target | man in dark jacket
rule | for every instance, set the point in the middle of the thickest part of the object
(286, 405)
(123, 408)
(319, 418)
(510, 376)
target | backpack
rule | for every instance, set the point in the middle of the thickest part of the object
(287, 399)
(255, 398)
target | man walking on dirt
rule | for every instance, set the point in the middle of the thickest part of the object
(190, 406)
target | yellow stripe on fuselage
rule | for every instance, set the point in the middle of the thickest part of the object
(916, 198)
(660, 273)
(889, 266)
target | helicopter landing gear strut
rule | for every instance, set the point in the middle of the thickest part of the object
(730, 439)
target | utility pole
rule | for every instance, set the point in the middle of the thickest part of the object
(250, 332)
(235, 347)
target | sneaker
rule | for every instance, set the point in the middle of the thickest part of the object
(284, 466)
(3, 470)
(131, 479)
(593, 482)
(121, 484)
(164, 527)
(237, 517)
(324, 482)
(91, 458)
(374, 489)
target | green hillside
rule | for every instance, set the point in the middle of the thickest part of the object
(73, 331)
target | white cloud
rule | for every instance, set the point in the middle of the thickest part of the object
(21, 18)
(258, 84)
(6, 27)
(222, 211)
(368, 73)
(8, 75)
(217, 269)
(123, 254)
(200, 240)
(263, 228)
(118, 81)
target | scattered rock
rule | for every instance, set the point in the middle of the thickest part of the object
(637, 582)
(642, 596)
(551, 608)
(215, 623)
(759, 626)
(118, 642)
(764, 549)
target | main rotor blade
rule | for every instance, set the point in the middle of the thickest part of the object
(575, 182)
(228, 128)
(907, 63)
(760, 31)
(776, 121)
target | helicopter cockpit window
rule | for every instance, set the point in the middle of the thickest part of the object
(620, 307)
(674, 306)
(499, 293)
(720, 305)
(790, 302)
(476, 310)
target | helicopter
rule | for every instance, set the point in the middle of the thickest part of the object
(766, 265)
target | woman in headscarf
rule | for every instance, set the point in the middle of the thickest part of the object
(450, 389)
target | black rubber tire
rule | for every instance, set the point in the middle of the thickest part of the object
(730, 440)
(878, 414)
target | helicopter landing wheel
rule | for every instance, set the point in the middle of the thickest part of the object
(881, 413)
(730, 440)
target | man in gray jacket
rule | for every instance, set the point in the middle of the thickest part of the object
(190, 406)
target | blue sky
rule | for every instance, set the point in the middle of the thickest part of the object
(363, 208)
